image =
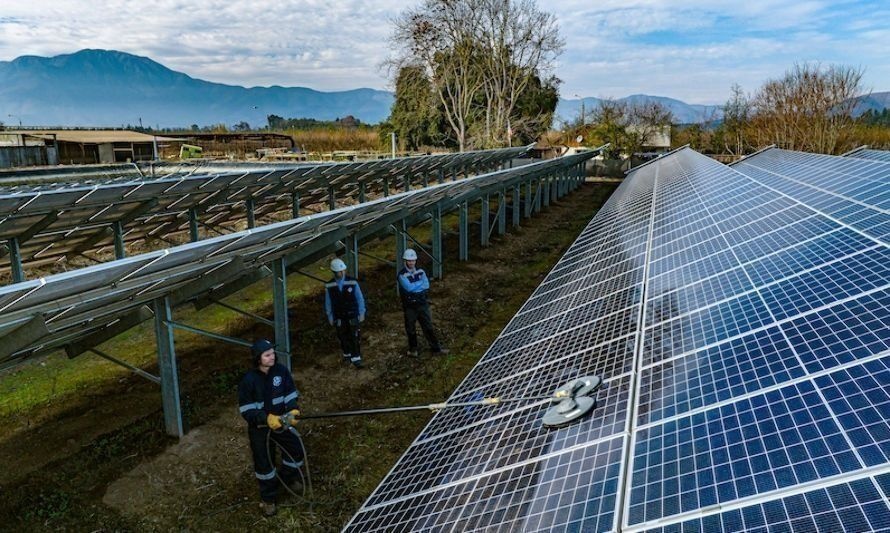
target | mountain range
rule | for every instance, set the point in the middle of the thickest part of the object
(112, 88)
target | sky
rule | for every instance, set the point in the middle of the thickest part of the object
(694, 52)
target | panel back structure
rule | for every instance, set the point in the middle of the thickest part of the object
(44, 224)
(741, 324)
(62, 310)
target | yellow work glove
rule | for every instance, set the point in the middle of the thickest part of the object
(273, 421)
(294, 415)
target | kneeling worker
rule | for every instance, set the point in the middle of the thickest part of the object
(414, 287)
(267, 399)
(344, 306)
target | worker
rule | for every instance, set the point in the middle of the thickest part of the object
(414, 288)
(267, 399)
(344, 306)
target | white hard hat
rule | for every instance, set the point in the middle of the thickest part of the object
(337, 265)
(409, 255)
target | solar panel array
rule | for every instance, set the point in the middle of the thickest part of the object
(73, 305)
(65, 221)
(740, 318)
(865, 153)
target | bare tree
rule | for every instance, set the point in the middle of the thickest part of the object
(439, 36)
(480, 57)
(809, 109)
(519, 42)
(736, 118)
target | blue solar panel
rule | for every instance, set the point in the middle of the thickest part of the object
(741, 319)
(877, 155)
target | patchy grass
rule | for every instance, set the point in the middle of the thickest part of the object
(110, 467)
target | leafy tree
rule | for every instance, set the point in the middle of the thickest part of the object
(478, 57)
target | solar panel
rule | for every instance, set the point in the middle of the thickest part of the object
(68, 221)
(75, 304)
(740, 319)
(865, 153)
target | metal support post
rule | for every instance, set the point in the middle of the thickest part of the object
(515, 210)
(352, 243)
(529, 198)
(546, 193)
(332, 199)
(279, 303)
(539, 195)
(407, 182)
(295, 205)
(119, 251)
(385, 187)
(440, 175)
(426, 180)
(483, 219)
(401, 245)
(167, 367)
(502, 212)
(437, 243)
(554, 187)
(464, 229)
(362, 193)
(251, 213)
(15, 261)
(193, 224)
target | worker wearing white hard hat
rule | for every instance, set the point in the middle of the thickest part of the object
(344, 306)
(414, 289)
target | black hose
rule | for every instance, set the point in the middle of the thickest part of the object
(307, 479)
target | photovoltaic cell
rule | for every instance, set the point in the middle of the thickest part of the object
(741, 318)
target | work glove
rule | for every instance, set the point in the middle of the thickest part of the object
(361, 318)
(294, 415)
(273, 421)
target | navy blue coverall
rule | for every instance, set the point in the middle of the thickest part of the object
(259, 395)
(344, 306)
(413, 288)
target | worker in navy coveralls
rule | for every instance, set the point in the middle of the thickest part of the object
(267, 392)
(414, 288)
(344, 306)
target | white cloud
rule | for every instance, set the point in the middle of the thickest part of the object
(693, 51)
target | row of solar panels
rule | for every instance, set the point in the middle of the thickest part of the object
(62, 310)
(48, 225)
(740, 318)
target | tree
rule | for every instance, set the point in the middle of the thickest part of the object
(519, 44)
(478, 57)
(736, 119)
(809, 109)
(413, 113)
(628, 127)
(241, 126)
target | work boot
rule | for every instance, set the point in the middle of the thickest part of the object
(412, 352)
(441, 351)
(268, 508)
(347, 358)
(356, 361)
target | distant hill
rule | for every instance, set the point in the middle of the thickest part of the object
(568, 110)
(872, 102)
(110, 88)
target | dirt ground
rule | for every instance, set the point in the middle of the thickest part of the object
(102, 462)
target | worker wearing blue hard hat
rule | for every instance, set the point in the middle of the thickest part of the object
(414, 286)
(344, 306)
